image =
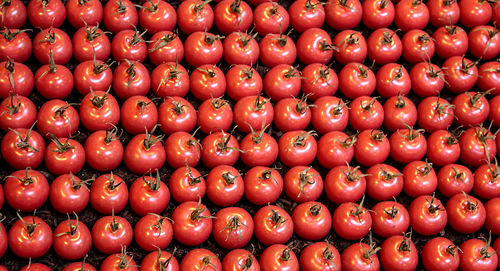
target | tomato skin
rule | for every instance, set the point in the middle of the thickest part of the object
(371, 147)
(36, 267)
(165, 46)
(303, 184)
(243, 80)
(187, 184)
(157, 16)
(176, 114)
(233, 227)
(393, 258)
(116, 261)
(472, 256)
(460, 73)
(263, 185)
(292, 114)
(17, 112)
(311, 257)
(99, 111)
(450, 41)
(355, 257)
(14, 15)
(194, 16)
(29, 192)
(477, 145)
(273, 225)
(68, 194)
(484, 42)
(150, 262)
(107, 239)
(225, 186)
(21, 75)
(240, 48)
(351, 221)
(427, 79)
(92, 75)
(203, 48)
(237, 259)
(453, 179)
(411, 15)
(342, 15)
(443, 148)
(197, 258)
(383, 182)
(253, 113)
(328, 114)
(335, 149)
(297, 148)
(442, 12)
(74, 243)
(120, 16)
(471, 108)
(140, 156)
(64, 160)
(15, 44)
(230, 18)
(434, 113)
(399, 110)
(305, 15)
(378, 14)
(278, 257)
(356, 80)
(474, 13)
(344, 184)
(33, 245)
(408, 145)
(214, 114)
(219, 148)
(314, 46)
(181, 149)
(319, 80)
(492, 222)
(485, 184)
(58, 41)
(2, 199)
(108, 193)
(153, 232)
(389, 218)
(384, 46)
(23, 148)
(189, 229)
(269, 17)
(466, 214)
(419, 179)
(3, 243)
(90, 12)
(495, 111)
(207, 81)
(311, 215)
(366, 113)
(352, 47)
(131, 79)
(439, 254)
(277, 49)
(489, 77)
(45, 15)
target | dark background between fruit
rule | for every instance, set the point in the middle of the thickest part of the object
(89, 216)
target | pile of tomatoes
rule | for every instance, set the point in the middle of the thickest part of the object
(226, 135)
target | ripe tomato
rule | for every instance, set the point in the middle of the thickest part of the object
(389, 218)
(411, 14)
(120, 15)
(460, 74)
(408, 145)
(182, 149)
(351, 47)
(253, 113)
(466, 214)
(494, 112)
(297, 148)
(157, 16)
(273, 225)
(319, 80)
(72, 239)
(138, 114)
(351, 221)
(149, 194)
(282, 81)
(392, 80)
(200, 259)
(156, 260)
(383, 182)
(484, 42)
(187, 184)
(335, 149)
(277, 49)
(305, 14)
(145, 152)
(214, 114)
(384, 46)
(427, 215)
(23, 148)
(219, 148)
(165, 46)
(243, 80)
(474, 12)
(99, 111)
(176, 114)
(477, 145)
(442, 12)
(153, 232)
(356, 80)
(485, 181)
(419, 179)
(263, 185)
(418, 46)
(15, 79)
(371, 147)
(207, 81)
(278, 257)
(225, 186)
(492, 222)
(94, 75)
(30, 237)
(36, 266)
(131, 79)
(241, 48)
(366, 113)
(203, 48)
(170, 79)
(476, 254)
(303, 184)
(270, 17)
(108, 194)
(292, 114)
(450, 40)
(398, 253)
(81, 13)
(62, 158)
(111, 234)
(343, 14)
(15, 44)
(26, 190)
(319, 256)
(238, 259)
(194, 15)
(17, 113)
(69, 194)
(315, 46)
(361, 256)
(3, 243)
(13, 14)
(398, 112)
(90, 41)
(58, 118)
(378, 13)
(440, 253)
(434, 113)
(55, 40)
(232, 16)
(329, 114)
(46, 14)
(233, 227)
(427, 79)
(489, 77)
(453, 179)
(119, 261)
(345, 184)
(471, 108)
(103, 149)
(442, 148)
(311, 220)
(192, 223)
(129, 44)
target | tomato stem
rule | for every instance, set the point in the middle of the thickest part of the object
(315, 209)
(276, 218)
(304, 179)
(406, 243)
(24, 142)
(111, 185)
(163, 41)
(150, 140)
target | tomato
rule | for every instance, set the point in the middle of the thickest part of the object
(23, 148)
(297, 148)
(392, 80)
(303, 184)
(2, 198)
(477, 146)
(356, 80)
(418, 46)
(182, 149)
(159, 260)
(311, 220)
(471, 108)
(194, 15)
(187, 184)
(273, 225)
(15, 79)
(460, 74)
(15, 44)
(243, 80)
(30, 237)
(203, 48)
(46, 14)
(450, 41)
(329, 114)
(440, 253)
(90, 41)
(77, 266)
(411, 14)
(26, 190)
(131, 79)
(427, 215)
(343, 14)
(494, 116)
(233, 227)
(93, 75)
(453, 179)
(129, 44)
(345, 184)
(492, 222)
(145, 152)
(442, 148)
(253, 113)
(111, 233)
(58, 118)
(351, 47)
(80, 13)
(176, 114)
(419, 178)
(476, 254)
(270, 17)
(192, 223)
(442, 12)
(282, 81)
(119, 261)
(54, 81)
(149, 194)
(319, 80)
(232, 16)
(165, 46)
(335, 149)
(408, 145)
(108, 194)
(466, 214)
(277, 49)
(120, 15)
(384, 46)
(383, 182)
(157, 16)
(18, 113)
(389, 218)
(292, 114)
(240, 259)
(138, 114)
(240, 48)
(434, 113)
(427, 79)
(225, 186)
(263, 185)
(489, 77)
(99, 111)
(485, 181)
(366, 113)
(64, 155)
(55, 40)
(305, 14)
(398, 112)
(474, 12)
(13, 14)
(103, 149)
(68, 193)
(371, 147)
(207, 81)
(315, 46)
(398, 253)
(351, 221)
(200, 259)
(361, 256)
(170, 79)
(219, 148)
(36, 267)
(484, 42)
(153, 232)
(3, 243)
(319, 256)
(378, 13)
(72, 239)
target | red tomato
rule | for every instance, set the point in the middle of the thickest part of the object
(351, 221)
(194, 15)
(450, 40)
(30, 237)
(389, 218)
(131, 79)
(311, 220)
(58, 118)
(442, 148)
(253, 113)
(239, 259)
(72, 239)
(408, 145)
(241, 48)
(315, 46)
(319, 256)
(351, 47)
(69, 194)
(149, 194)
(13, 15)
(23, 148)
(383, 182)
(378, 13)
(165, 46)
(305, 14)
(384, 46)
(36, 267)
(398, 253)
(466, 214)
(273, 225)
(484, 42)
(90, 41)
(282, 81)
(81, 13)
(278, 257)
(329, 114)
(182, 149)
(108, 194)
(17, 113)
(418, 46)
(427, 79)
(494, 112)
(119, 261)
(453, 179)
(477, 145)
(159, 260)
(319, 80)
(371, 147)
(392, 80)
(366, 113)
(111, 234)
(120, 15)
(138, 114)
(343, 14)
(176, 114)
(263, 185)
(243, 80)
(270, 17)
(93, 75)
(145, 152)
(192, 223)
(277, 49)
(55, 40)
(419, 179)
(434, 114)
(64, 155)
(153, 232)
(170, 79)
(200, 259)
(3, 244)
(398, 112)
(219, 148)
(485, 181)
(411, 14)
(474, 12)
(297, 148)
(232, 16)
(207, 81)
(471, 108)
(225, 186)
(477, 254)
(26, 190)
(157, 16)
(492, 222)
(442, 12)
(187, 184)
(129, 44)
(15, 44)
(103, 149)
(303, 184)
(15, 79)
(489, 77)
(46, 14)
(361, 256)
(233, 227)
(203, 48)
(356, 80)
(214, 114)
(345, 184)
(460, 74)
(440, 253)
(427, 215)
(335, 149)
(99, 111)
(292, 114)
